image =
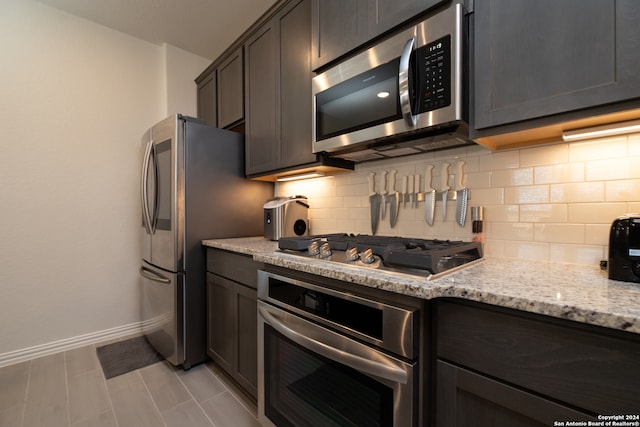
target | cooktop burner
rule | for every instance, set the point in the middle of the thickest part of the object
(402, 254)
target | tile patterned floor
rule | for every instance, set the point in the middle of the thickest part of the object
(69, 390)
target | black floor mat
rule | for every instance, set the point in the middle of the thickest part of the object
(126, 356)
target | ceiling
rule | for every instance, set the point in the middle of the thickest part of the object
(203, 27)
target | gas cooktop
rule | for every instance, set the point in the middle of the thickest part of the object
(421, 257)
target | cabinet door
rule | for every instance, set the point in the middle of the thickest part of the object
(337, 26)
(261, 101)
(464, 398)
(384, 15)
(247, 345)
(295, 85)
(207, 90)
(221, 329)
(231, 90)
(539, 58)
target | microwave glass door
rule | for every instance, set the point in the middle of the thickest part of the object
(303, 388)
(362, 101)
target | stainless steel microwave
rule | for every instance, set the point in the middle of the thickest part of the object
(404, 95)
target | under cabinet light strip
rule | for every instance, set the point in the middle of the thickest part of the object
(600, 131)
(299, 176)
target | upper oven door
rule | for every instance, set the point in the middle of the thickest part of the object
(409, 82)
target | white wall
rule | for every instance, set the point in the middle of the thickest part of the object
(554, 202)
(75, 98)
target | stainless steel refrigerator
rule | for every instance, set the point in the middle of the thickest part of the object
(192, 188)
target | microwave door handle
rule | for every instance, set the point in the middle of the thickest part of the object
(403, 83)
(375, 368)
(144, 196)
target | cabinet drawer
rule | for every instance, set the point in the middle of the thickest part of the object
(588, 367)
(237, 267)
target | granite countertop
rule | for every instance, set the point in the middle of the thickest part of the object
(575, 292)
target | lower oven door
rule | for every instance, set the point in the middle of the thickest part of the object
(312, 376)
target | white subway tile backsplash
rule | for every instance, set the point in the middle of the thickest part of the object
(597, 234)
(595, 213)
(503, 213)
(499, 160)
(559, 233)
(576, 254)
(597, 149)
(512, 177)
(622, 190)
(526, 250)
(543, 213)
(545, 155)
(554, 202)
(527, 194)
(610, 169)
(577, 192)
(511, 231)
(560, 173)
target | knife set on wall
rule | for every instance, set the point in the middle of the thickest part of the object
(411, 195)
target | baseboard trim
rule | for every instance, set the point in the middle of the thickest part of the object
(34, 352)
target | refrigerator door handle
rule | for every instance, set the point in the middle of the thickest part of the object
(144, 196)
(151, 275)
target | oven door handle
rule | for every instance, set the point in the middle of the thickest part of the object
(376, 368)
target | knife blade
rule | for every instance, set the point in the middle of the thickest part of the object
(404, 191)
(374, 202)
(444, 186)
(383, 195)
(462, 193)
(411, 191)
(429, 196)
(393, 198)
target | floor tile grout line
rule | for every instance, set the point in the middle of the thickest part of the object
(66, 387)
(194, 398)
(26, 393)
(146, 387)
(106, 386)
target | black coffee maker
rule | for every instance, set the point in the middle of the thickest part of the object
(624, 249)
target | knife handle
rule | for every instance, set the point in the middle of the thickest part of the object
(392, 180)
(410, 179)
(404, 185)
(384, 183)
(444, 177)
(372, 185)
(428, 175)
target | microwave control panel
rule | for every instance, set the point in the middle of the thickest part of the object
(433, 64)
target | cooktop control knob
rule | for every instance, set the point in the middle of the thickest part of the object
(352, 254)
(314, 248)
(325, 250)
(367, 256)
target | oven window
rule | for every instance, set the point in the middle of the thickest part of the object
(363, 101)
(306, 389)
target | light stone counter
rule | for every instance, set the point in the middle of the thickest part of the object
(574, 292)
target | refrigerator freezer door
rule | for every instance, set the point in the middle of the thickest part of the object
(162, 312)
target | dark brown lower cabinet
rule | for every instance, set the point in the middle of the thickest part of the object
(465, 398)
(232, 331)
(501, 367)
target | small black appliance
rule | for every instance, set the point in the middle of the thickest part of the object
(624, 249)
